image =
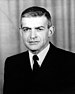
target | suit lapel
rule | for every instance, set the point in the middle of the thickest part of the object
(25, 62)
(28, 66)
(49, 57)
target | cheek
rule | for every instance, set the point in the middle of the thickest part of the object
(25, 36)
(44, 36)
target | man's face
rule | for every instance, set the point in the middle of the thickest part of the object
(35, 33)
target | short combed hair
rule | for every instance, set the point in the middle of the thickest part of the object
(35, 11)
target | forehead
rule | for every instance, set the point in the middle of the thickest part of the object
(34, 21)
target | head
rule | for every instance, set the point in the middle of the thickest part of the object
(36, 28)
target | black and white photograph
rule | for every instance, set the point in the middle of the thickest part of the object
(37, 46)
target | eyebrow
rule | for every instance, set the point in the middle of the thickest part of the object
(39, 27)
(26, 28)
(35, 27)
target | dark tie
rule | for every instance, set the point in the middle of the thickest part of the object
(35, 65)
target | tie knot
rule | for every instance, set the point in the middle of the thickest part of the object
(35, 58)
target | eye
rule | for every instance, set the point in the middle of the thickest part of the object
(40, 29)
(25, 29)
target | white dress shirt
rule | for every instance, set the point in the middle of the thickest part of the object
(40, 55)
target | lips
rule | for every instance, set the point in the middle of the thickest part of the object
(33, 42)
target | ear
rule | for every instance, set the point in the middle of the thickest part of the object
(51, 31)
(20, 31)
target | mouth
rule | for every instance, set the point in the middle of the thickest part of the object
(33, 42)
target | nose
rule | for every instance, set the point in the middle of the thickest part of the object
(33, 34)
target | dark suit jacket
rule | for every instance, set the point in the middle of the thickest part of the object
(56, 75)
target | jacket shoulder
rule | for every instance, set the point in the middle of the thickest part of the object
(18, 58)
(60, 50)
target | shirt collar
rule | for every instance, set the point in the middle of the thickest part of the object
(42, 54)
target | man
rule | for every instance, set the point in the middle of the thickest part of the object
(56, 72)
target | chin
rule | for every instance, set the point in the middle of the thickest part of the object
(33, 48)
